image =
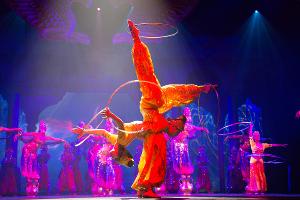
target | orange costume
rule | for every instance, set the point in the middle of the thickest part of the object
(155, 101)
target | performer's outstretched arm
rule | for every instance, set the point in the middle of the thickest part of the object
(124, 138)
(4, 129)
(106, 113)
(200, 128)
(250, 132)
(27, 134)
(55, 140)
(267, 145)
(112, 138)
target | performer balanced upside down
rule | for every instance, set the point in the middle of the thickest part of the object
(155, 101)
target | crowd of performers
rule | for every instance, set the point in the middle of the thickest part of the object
(161, 167)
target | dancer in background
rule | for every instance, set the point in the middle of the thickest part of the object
(182, 163)
(235, 183)
(172, 178)
(29, 162)
(105, 174)
(66, 179)
(92, 160)
(8, 172)
(117, 182)
(76, 169)
(203, 180)
(43, 159)
(242, 157)
(257, 181)
(101, 165)
(118, 185)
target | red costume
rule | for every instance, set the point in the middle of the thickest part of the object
(257, 181)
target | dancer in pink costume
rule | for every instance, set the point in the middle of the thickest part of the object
(243, 154)
(43, 159)
(76, 169)
(117, 184)
(257, 181)
(66, 179)
(101, 166)
(105, 174)
(8, 174)
(203, 179)
(172, 178)
(162, 189)
(91, 160)
(182, 163)
(29, 164)
(8, 183)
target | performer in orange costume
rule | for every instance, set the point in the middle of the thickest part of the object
(155, 101)
(257, 181)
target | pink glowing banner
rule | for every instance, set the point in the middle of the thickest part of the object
(53, 19)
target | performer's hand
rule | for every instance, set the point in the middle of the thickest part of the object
(226, 139)
(105, 113)
(208, 88)
(214, 86)
(19, 130)
(204, 129)
(17, 136)
(77, 130)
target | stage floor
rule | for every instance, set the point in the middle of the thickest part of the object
(170, 197)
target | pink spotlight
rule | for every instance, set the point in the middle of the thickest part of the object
(98, 9)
